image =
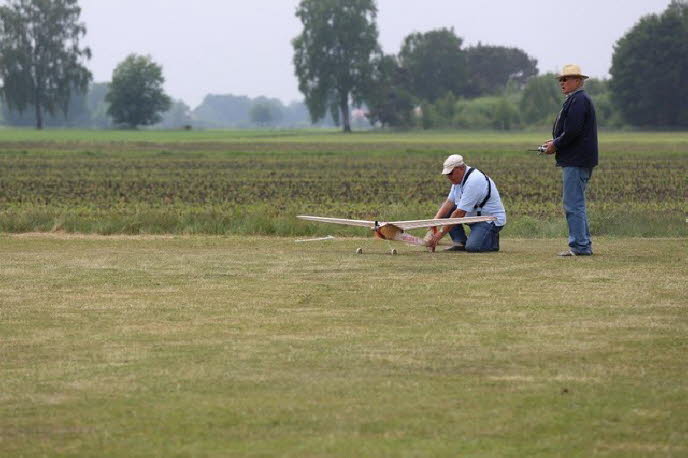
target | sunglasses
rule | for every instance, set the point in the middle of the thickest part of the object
(565, 79)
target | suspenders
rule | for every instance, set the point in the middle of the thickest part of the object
(478, 207)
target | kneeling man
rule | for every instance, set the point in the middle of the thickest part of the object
(472, 194)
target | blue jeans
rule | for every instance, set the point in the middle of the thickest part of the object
(575, 181)
(483, 236)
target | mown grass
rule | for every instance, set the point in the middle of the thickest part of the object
(208, 346)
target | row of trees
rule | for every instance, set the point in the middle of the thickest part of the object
(90, 110)
(229, 110)
(45, 81)
(42, 66)
(338, 61)
(433, 82)
(534, 105)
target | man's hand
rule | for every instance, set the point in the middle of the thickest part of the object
(551, 149)
(432, 239)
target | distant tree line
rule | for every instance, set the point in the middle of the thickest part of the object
(42, 71)
(92, 110)
(435, 83)
(227, 110)
(432, 82)
(44, 82)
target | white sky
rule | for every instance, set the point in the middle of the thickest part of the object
(243, 47)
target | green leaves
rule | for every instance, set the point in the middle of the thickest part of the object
(648, 68)
(541, 100)
(136, 95)
(435, 63)
(333, 55)
(40, 63)
(389, 102)
(491, 68)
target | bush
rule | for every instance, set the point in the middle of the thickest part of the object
(486, 113)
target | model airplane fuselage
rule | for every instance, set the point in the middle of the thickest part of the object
(395, 230)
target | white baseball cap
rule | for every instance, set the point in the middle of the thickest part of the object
(453, 161)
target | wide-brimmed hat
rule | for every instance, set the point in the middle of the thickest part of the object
(572, 70)
(453, 161)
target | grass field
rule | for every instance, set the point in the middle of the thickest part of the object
(198, 327)
(219, 346)
(322, 141)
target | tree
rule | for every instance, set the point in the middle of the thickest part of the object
(135, 95)
(177, 117)
(296, 115)
(505, 115)
(76, 114)
(260, 114)
(40, 55)
(388, 101)
(97, 106)
(223, 110)
(649, 66)
(435, 64)
(490, 68)
(541, 100)
(333, 55)
(265, 112)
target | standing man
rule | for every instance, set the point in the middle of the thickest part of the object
(574, 143)
(472, 194)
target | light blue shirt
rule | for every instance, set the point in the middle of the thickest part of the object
(473, 192)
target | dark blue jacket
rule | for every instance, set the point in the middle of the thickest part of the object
(575, 132)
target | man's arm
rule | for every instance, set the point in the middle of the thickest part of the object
(441, 213)
(444, 209)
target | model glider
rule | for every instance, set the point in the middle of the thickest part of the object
(395, 230)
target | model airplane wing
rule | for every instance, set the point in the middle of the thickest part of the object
(394, 230)
(346, 222)
(406, 225)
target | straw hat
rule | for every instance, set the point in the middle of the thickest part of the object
(572, 70)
